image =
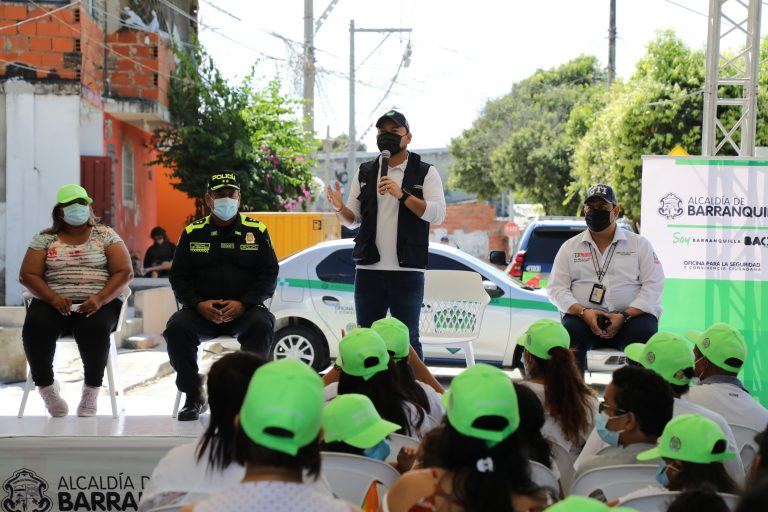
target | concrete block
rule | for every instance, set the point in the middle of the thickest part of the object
(12, 316)
(13, 364)
(155, 306)
(142, 341)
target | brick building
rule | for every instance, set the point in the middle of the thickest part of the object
(82, 87)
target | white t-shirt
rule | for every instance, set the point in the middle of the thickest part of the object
(274, 497)
(430, 421)
(388, 210)
(436, 409)
(645, 491)
(731, 402)
(180, 478)
(552, 429)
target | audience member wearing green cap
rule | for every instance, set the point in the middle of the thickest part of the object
(78, 273)
(720, 353)
(692, 450)
(671, 357)
(584, 504)
(367, 369)
(552, 373)
(474, 460)
(277, 440)
(396, 338)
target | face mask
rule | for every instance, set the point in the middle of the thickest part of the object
(225, 208)
(661, 474)
(379, 451)
(76, 214)
(609, 436)
(389, 141)
(598, 220)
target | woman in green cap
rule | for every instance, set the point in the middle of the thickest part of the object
(692, 450)
(78, 273)
(474, 460)
(277, 439)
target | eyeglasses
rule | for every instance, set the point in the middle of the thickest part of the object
(603, 406)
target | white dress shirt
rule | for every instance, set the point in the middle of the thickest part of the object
(389, 210)
(634, 275)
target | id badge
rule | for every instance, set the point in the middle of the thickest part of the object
(598, 294)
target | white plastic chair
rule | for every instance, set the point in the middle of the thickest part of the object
(745, 441)
(350, 476)
(658, 502)
(613, 482)
(397, 441)
(113, 368)
(564, 461)
(453, 308)
(544, 477)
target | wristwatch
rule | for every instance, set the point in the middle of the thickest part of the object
(405, 196)
(627, 316)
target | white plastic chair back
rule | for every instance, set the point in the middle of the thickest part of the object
(544, 477)
(614, 482)
(350, 476)
(732, 500)
(745, 441)
(113, 369)
(658, 502)
(564, 461)
(397, 441)
(453, 308)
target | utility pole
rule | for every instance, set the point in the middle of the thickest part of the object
(612, 44)
(352, 134)
(309, 68)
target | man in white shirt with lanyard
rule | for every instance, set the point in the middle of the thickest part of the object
(394, 200)
(606, 282)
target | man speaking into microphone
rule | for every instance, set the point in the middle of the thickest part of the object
(393, 199)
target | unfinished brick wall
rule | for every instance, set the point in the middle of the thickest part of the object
(471, 217)
(139, 65)
(64, 45)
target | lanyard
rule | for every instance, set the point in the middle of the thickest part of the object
(601, 271)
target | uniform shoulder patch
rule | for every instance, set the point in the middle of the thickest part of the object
(199, 223)
(252, 223)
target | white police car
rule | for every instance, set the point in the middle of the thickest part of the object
(314, 301)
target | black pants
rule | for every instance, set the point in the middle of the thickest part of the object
(186, 329)
(637, 330)
(44, 325)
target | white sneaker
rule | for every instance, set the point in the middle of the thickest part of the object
(56, 405)
(88, 401)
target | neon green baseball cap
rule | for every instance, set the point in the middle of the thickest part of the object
(666, 354)
(542, 336)
(285, 394)
(363, 353)
(480, 391)
(396, 336)
(583, 504)
(354, 420)
(719, 343)
(691, 438)
(69, 193)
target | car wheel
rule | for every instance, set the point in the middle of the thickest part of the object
(302, 343)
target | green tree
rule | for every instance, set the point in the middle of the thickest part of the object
(252, 132)
(524, 141)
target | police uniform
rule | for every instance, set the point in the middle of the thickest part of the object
(236, 262)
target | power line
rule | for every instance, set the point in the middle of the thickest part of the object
(222, 10)
(27, 20)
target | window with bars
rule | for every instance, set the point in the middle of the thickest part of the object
(128, 173)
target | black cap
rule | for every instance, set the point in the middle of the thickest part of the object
(223, 179)
(396, 117)
(603, 192)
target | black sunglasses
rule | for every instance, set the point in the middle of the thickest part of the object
(603, 406)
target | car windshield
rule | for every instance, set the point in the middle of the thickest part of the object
(486, 269)
(544, 244)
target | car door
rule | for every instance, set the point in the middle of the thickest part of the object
(491, 344)
(333, 289)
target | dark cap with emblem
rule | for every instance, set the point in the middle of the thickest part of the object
(396, 117)
(603, 192)
(223, 179)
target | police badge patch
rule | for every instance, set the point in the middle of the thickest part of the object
(250, 238)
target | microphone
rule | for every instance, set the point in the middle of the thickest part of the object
(384, 162)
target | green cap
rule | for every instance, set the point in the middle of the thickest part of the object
(583, 504)
(363, 353)
(480, 391)
(690, 438)
(544, 335)
(396, 336)
(719, 343)
(666, 354)
(353, 419)
(69, 193)
(285, 394)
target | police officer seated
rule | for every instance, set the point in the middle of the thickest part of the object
(223, 270)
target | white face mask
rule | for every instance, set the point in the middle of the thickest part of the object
(225, 208)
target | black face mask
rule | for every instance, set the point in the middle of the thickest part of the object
(598, 220)
(389, 141)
